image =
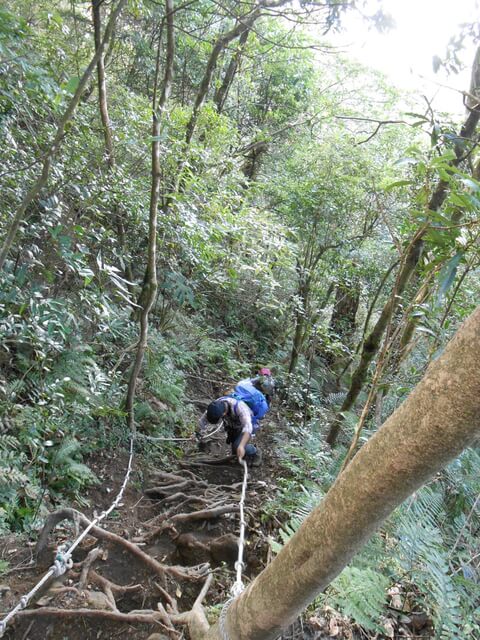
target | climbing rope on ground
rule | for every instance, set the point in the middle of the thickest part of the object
(63, 557)
(238, 586)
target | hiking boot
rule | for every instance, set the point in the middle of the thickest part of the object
(256, 459)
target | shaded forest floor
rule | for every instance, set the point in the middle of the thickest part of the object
(183, 514)
(178, 519)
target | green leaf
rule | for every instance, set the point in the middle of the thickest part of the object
(397, 183)
(447, 275)
(72, 85)
(426, 330)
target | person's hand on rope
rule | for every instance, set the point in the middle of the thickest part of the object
(240, 452)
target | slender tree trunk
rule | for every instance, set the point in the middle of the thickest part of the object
(407, 268)
(222, 92)
(106, 125)
(151, 285)
(342, 321)
(301, 315)
(219, 46)
(372, 343)
(437, 421)
(41, 181)
(297, 341)
(245, 23)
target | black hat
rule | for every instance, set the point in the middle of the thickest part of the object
(215, 411)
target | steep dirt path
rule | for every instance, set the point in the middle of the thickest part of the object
(154, 557)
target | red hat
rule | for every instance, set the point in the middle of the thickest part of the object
(264, 371)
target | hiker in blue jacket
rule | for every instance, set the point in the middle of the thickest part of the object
(240, 412)
(264, 382)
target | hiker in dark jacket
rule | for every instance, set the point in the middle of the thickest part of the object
(239, 424)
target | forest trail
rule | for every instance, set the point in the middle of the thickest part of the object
(186, 519)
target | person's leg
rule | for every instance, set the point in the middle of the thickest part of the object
(250, 449)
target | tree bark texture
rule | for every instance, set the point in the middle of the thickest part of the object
(41, 181)
(437, 421)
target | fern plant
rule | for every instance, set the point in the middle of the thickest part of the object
(359, 594)
(68, 474)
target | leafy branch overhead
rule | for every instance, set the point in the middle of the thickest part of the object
(194, 190)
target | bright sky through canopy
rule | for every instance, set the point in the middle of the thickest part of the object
(405, 52)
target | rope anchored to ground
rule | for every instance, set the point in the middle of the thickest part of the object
(238, 586)
(63, 558)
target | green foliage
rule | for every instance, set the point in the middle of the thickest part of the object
(360, 594)
(272, 204)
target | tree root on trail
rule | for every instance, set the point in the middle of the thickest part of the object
(109, 588)
(168, 524)
(168, 484)
(208, 461)
(187, 499)
(87, 563)
(187, 573)
(148, 617)
(177, 496)
(204, 514)
(195, 619)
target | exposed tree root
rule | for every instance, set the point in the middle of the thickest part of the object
(148, 617)
(196, 620)
(160, 569)
(208, 461)
(89, 560)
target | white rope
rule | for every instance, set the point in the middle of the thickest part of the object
(63, 559)
(238, 585)
(212, 433)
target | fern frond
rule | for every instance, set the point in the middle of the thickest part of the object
(8, 442)
(360, 594)
(68, 448)
(335, 398)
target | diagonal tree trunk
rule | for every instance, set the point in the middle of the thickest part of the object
(437, 421)
(223, 41)
(222, 92)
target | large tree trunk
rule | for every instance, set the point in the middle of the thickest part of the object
(438, 420)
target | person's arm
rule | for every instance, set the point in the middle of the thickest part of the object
(241, 446)
(245, 416)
